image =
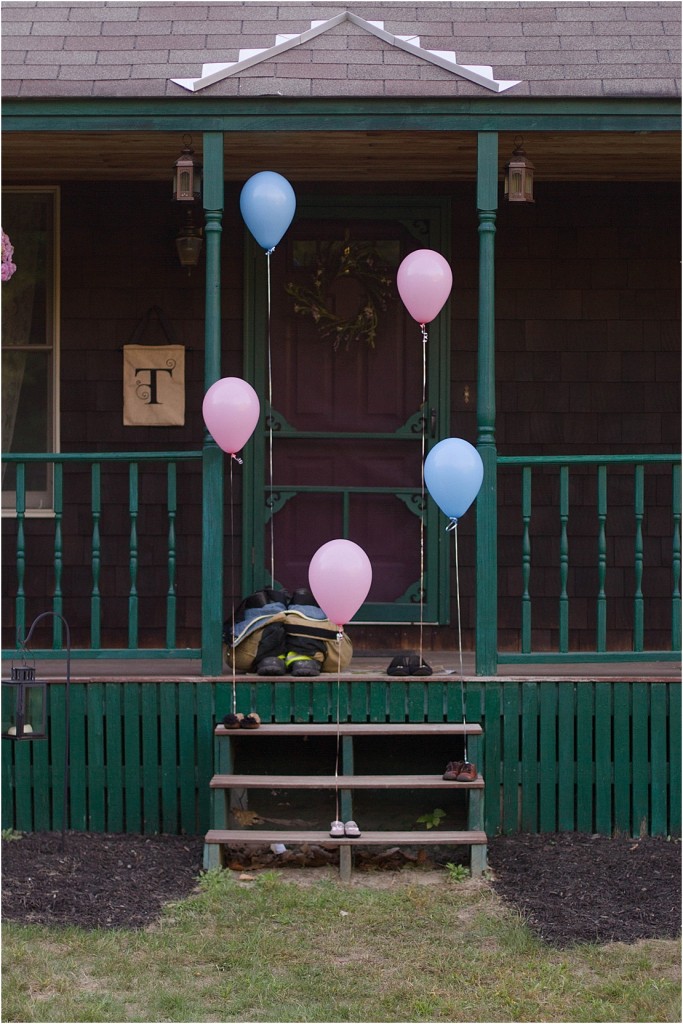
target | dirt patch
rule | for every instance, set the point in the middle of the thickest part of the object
(569, 887)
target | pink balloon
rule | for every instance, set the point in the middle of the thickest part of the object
(339, 575)
(424, 281)
(231, 410)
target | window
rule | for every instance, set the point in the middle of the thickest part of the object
(30, 330)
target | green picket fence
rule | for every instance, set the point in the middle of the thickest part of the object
(559, 755)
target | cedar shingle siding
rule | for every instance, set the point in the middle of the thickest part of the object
(587, 281)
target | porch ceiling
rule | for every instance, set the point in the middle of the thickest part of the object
(335, 156)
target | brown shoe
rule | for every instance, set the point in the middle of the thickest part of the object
(468, 772)
(233, 721)
(251, 721)
(453, 769)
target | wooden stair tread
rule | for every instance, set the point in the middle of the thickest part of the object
(357, 729)
(267, 836)
(342, 781)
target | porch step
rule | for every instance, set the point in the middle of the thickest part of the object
(340, 782)
(254, 837)
(357, 729)
(225, 784)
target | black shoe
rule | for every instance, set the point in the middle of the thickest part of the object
(408, 665)
(305, 667)
(271, 667)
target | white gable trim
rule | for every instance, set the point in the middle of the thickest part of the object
(212, 73)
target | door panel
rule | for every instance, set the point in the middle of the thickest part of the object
(347, 416)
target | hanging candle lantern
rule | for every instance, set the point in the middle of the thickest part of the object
(519, 176)
(24, 702)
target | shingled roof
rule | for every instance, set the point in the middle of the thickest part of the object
(123, 49)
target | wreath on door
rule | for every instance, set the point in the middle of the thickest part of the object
(335, 261)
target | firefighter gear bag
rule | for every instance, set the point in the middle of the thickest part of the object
(271, 622)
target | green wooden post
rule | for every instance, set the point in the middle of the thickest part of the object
(547, 763)
(605, 772)
(511, 757)
(566, 758)
(623, 761)
(674, 720)
(486, 657)
(132, 766)
(212, 456)
(95, 772)
(493, 756)
(114, 776)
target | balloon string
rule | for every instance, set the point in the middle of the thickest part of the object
(232, 592)
(270, 428)
(454, 527)
(423, 328)
(340, 634)
(237, 459)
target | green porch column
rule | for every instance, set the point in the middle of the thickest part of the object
(486, 655)
(213, 459)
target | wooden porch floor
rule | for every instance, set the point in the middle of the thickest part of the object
(445, 666)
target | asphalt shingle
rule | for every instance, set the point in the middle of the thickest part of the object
(571, 48)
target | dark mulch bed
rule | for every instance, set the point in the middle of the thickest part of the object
(96, 880)
(586, 888)
(569, 887)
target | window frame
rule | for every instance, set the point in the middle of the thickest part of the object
(40, 503)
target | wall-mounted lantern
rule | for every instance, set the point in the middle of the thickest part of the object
(519, 176)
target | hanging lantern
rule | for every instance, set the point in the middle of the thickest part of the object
(24, 702)
(519, 176)
(187, 174)
(189, 243)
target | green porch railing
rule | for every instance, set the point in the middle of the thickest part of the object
(99, 497)
(595, 477)
(558, 755)
(593, 473)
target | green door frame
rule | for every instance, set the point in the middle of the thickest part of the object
(411, 212)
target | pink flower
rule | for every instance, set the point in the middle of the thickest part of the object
(8, 267)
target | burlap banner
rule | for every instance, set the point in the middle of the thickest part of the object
(153, 385)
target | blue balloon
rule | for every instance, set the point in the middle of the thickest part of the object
(267, 204)
(453, 475)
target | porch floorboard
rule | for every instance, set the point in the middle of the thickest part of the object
(445, 666)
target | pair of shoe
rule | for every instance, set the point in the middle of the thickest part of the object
(239, 721)
(460, 771)
(295, 664)
(408, 665)
(339, 829)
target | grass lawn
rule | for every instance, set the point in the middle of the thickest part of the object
(275, 950)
